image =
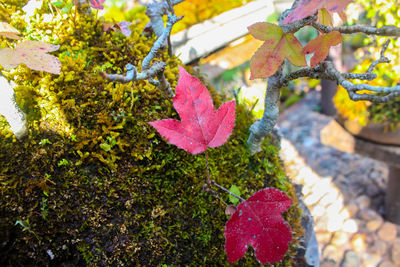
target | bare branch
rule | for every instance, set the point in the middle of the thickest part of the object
(373, 98)
(172, 19)
(164, 84)
(260, 129)
(318, 73)
(383, 31)
(155, 11)
(315, 73)
(298, 24)
(157, 69)
(382, 59)
(359, 76)
(132, 74)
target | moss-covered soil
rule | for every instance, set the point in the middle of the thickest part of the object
(93, 183)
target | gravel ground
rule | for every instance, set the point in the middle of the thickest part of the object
(344, 192)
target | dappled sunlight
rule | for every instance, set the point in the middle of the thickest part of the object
(321, 195)
(335, 223)
(345, 192)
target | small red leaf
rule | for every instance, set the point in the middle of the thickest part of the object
(320, 46)
(201, 126)
(258, 222)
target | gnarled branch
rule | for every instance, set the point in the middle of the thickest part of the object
(260, 129)
(389, 30)
(325, 70)
(157, 69)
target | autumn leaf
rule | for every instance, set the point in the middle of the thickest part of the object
(277, 46)
(258, 222)
(33, 54)
(324, 17)
(122, 26)
(9, 31)
(337, 6)
(97, 4)
(320, 46)
(307, 8)
(201, 126)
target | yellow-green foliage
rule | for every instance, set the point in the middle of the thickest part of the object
(196, 11)
(93, 183)
(379, 13)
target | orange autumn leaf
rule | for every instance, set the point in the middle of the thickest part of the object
(8, 31)
(277, 47)
(33, 54)
(320, 46)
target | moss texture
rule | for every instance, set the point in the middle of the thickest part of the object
(93, 184)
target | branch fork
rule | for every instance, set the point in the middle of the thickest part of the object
(149, 72)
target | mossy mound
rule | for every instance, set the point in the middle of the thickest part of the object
(93, 183)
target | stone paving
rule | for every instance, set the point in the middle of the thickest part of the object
(344, 192)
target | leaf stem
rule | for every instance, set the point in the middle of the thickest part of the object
(227, 190)
(213, 183)
(208, 171)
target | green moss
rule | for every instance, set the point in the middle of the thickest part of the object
(140, 202)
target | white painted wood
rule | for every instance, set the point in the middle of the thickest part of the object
(204, 38)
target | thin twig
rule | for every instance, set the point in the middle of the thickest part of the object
(226, 190)
(389, 30)
(157, 69)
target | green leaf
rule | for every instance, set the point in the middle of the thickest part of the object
(67, 8)
(106, 147)
(265, 31)
(58, 4)
(234, 189)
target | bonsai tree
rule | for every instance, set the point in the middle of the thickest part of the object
(102, 187)
(282, 47)
(363, 112)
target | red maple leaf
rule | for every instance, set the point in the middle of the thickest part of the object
(201, 126)
(258, 222)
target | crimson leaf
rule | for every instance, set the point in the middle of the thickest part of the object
(201, 126)
(258, 222)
